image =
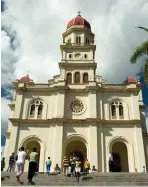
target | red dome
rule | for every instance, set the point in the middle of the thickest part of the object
(131, 80)
(25, 79)
(78, 21)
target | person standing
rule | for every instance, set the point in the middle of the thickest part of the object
(78, 168)
(65, 166)
(48, 166)
(21, 157)
(2, 163)
(110, 161)
(86, 166)
(33, 158)
(11, 162)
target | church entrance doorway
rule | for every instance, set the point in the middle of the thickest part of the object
(78, 148)
(29, 147)
(120, 157)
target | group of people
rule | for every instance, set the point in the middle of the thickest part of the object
(73, 166)
(19, 160)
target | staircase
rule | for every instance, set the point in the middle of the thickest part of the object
(93, 179)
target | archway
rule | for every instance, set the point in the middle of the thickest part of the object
(29, 143)
(120, 157)
(77, 147)
(29, 147)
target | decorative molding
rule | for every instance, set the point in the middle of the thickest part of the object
(11, 106)
(87, 120)
(7, 134)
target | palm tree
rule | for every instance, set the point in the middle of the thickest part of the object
(140, 51)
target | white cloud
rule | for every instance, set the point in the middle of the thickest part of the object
(37, 31)
(4, 112)
(39, 27)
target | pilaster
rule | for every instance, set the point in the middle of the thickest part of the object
(18, 105)
(92, 104)
(58, 143)
(139, 148)
(93, 145)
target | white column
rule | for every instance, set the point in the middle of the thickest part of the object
(42, 157)
(102, 148)
(58, 142)
(93, 145)
(139, 148)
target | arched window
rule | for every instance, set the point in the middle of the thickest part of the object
(40, 109)
(70, 55)
(85, 78)
(113, 110)
(69, 78)
(36, 109)
(120, 110)
(117, 110)
(77, 77)
(32, 110)
(85, 56)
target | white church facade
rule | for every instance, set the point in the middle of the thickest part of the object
(79, 112)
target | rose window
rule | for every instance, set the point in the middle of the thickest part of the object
(76, 106)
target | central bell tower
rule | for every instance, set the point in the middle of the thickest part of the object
(78, 53)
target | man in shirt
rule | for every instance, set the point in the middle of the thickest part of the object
(78, 168)
(65, 165)
(21, 157)
(33, 158)
(11, 162)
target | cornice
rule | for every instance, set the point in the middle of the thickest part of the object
(77, 46)
(7, 134)
(63, 120)
(63, 64)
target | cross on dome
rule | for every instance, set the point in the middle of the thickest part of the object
(79, 13)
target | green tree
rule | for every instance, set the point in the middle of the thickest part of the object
(140, 51)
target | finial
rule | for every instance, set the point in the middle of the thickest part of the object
(28, 72)
(79, 13)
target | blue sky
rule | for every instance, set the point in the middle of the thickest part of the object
(31, 37)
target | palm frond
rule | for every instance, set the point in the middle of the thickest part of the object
(142, 28)
(145, 72)
(141, 50)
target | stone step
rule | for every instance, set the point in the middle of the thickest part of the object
(102, 179)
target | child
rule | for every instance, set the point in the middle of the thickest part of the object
(48, 166)
(143, 169)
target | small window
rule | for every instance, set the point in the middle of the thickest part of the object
(69, 41)
(85, 78)
(85, 56)
(40, 108)
(121, 110)
(32, 110)
(77, 77)
(69, 78)
(87, 41)
(70, 56)
(78, 39)
(113, 110)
